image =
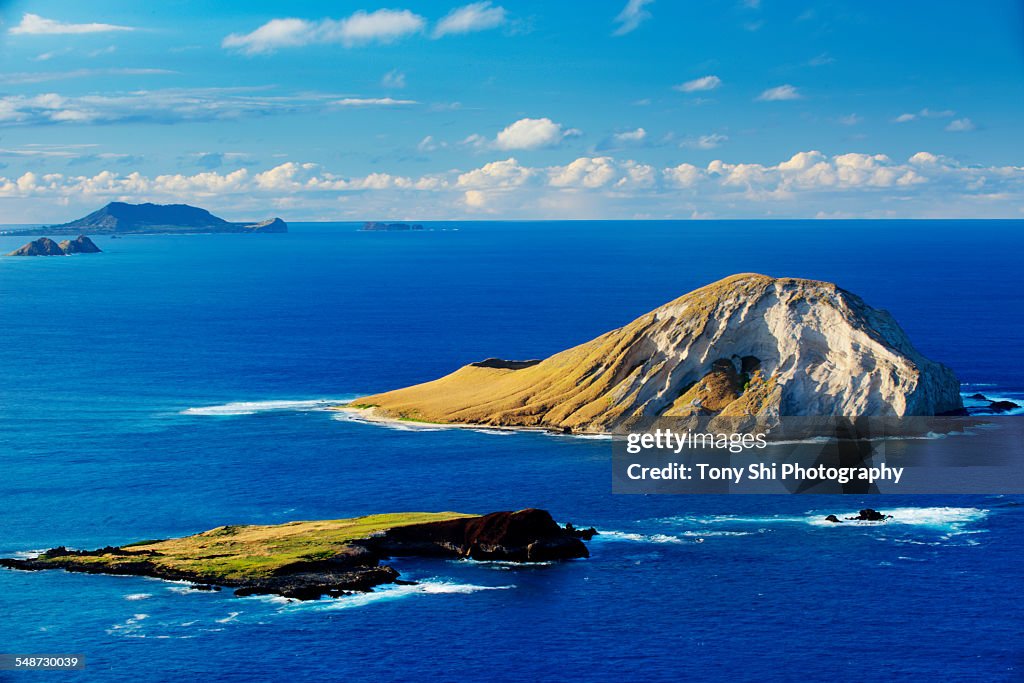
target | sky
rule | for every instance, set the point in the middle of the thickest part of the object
(638, 109)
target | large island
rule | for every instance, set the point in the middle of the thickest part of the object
(120, 218)
(747, 345)
(307, 560)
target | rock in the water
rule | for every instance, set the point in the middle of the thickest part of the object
(1002, 406)
(43, 246)
(833, 519)
(746, 345)
(978, 397)
(79, 245)
(870, 515)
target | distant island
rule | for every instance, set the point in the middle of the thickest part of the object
(44, 246)
(743, 347)
(119, 218)
(307, 560)
(371, 226)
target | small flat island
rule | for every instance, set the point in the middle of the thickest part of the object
(308, 560)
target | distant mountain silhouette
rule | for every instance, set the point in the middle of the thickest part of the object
(122, 218)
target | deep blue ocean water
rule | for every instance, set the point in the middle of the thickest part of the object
(162, 388)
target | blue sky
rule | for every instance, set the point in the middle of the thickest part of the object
(428, 110)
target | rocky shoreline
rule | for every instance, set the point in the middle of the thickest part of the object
(326, 567)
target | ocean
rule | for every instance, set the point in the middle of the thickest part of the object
(176, 383)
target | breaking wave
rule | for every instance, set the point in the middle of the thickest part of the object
(253, 407)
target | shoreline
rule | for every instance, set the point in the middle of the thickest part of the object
(310, 559)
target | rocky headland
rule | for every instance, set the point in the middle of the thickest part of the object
(136, 219)
(747, 345)
(44, 246)
(308, 560)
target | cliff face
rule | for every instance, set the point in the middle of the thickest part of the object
(746, 345)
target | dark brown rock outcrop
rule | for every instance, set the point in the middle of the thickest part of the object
(528, 535)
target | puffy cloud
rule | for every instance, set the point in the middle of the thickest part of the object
(478, 16)
(382, 26)
(584, 172)
(631, 136)
(683, 175)
(631, 16)
(474, 199)
(637, 176)
(35, 25)
(806, 184)
(960, 125)
(288, 176)
(373, 102)
(507, 173)
(532, 134)
(780, 93)
(699, 84)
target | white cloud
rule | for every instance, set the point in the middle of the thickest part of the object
(532, 134)
(780, 93)
(35, 25)
(429, 144)
(850, 120)
(631, 136)
(631, 16)
(154, 106)
(478, 16)
(393, 79)
(45, 76)
(507, 173)
(373, 102)
(960, 125)
(699, 84)
(925, 114)
(704, 141)
(381, 26)
(475, 199)
(807, 184)
(683, 175)
(584, 172)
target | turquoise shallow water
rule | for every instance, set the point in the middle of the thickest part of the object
(168, 385)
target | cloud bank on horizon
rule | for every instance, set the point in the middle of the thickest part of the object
(632, 109)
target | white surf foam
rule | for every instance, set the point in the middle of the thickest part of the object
(379, 594)
(342, 416)
(138, 596)
(946, 519)
(635, 537)
(393, 592)
(253, 407)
